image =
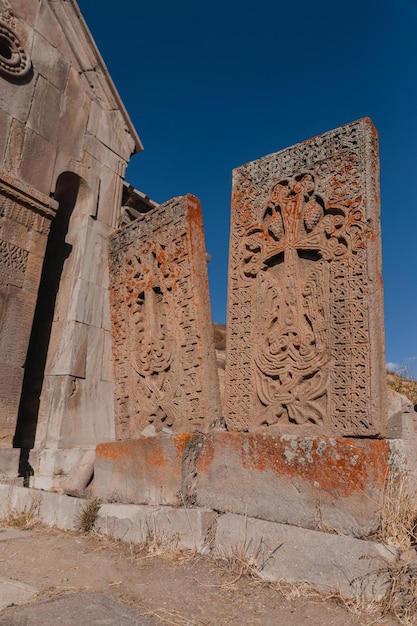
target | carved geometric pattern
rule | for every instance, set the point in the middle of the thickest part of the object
(163, 346)
(305, 330)
(13, 263)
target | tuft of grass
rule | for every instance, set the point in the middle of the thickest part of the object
(87, 517)
(398, 513)
(24, 518)
(400, 594)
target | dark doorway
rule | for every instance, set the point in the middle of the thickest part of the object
(57, 251)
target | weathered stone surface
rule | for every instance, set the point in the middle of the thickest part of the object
(186, 529)
(165, 367)
(402, 424)
(13, 592)
(305, 313)
(52, 509)
(149, 470)
(329, 562)
(315, 482)
(94, 609)
(82, 412)
(80, 475)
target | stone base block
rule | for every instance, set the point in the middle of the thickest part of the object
(333, 563)
(52, 509)
(9, 463)
(186, 529)
(320, 483)
(143, 471)
(53, 467)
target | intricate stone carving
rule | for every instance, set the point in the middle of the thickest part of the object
(305, 301)
(14, 60)
(163, 343)
(13, 263)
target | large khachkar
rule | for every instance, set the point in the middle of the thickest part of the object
(165, 367)
(305, 313)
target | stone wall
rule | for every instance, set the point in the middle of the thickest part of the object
(65, 134)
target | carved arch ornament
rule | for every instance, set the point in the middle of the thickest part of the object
(15, 62)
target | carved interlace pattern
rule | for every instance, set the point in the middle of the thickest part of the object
(14, 60)
(301, 287)
(158, 336)
(13, 262)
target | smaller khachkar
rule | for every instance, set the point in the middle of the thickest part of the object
(305, 313)
(165, 367)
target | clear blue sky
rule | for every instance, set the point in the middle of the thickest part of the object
(212, 85)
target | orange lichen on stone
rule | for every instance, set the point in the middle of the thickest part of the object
(335, 464)
(114, 451)
(156, 458)
(181, 441)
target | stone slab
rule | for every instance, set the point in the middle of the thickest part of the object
(143, 471)
(83, 609)
(13, 533)
(52, 509)
(305, 331)
(9, 461)
(80, 475)
(330, 562)
(15, 592)
(277, 551)
(185, 529)
(163, 342)
(314, 482)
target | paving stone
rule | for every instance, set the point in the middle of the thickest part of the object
(13, 533)
(15, 592)
(82, 609)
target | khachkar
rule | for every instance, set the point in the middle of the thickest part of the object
(305, 309)
(163, 347)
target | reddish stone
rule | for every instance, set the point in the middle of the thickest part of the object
(163, 344)
(315, 482)
(305, 342)
(142, 471)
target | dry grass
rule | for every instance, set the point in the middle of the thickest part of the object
(398, 512)
(173, 617)
(403, 382)
(400, 599)
(24, 518)
(87, 517)
(398, 524)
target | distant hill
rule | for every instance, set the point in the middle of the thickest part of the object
(405, 383)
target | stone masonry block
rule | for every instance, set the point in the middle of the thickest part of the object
(314, 482)
(52, 509)
(186, 529)
(142, 471)
(330, 562)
